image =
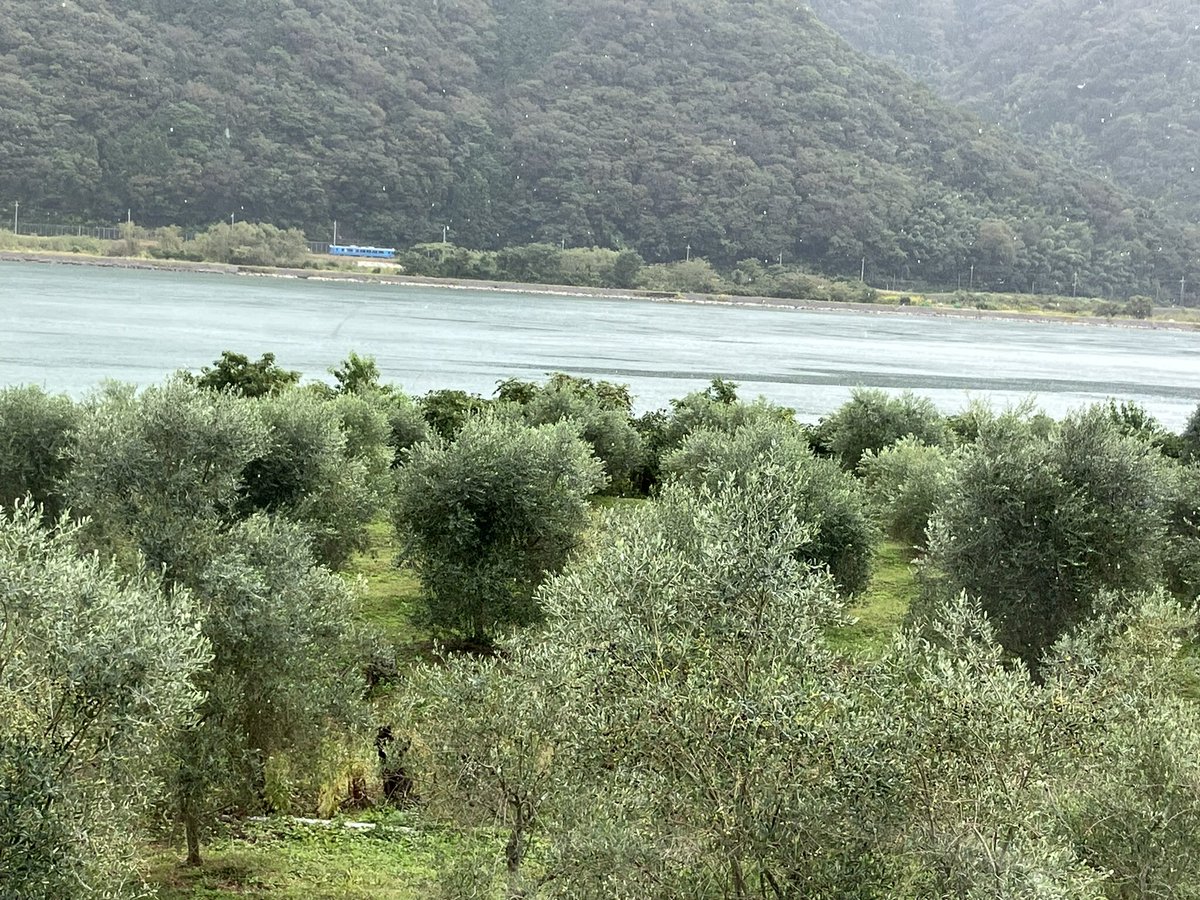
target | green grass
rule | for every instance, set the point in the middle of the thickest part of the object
(880, 610)
(391, 593)
(399, 860)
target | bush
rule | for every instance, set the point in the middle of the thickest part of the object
(775, 457)
(716, 408)
(906, 482)
(488, 516)
(35, 439)
(873, 420)
(1036, 527)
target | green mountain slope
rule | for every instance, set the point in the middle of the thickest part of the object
(734, 128)
(1110, 85)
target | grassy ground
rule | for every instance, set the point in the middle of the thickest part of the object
(880, 609)
(399, 860)
(389, 592)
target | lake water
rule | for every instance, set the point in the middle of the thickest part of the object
(67, 328)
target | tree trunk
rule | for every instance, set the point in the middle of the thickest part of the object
(740, 889)
(191, 826)
(514, 855)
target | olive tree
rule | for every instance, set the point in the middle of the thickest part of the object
(717, 408)
(823, 498)
(671, 731)
(162, 472)
(680, 726)
(979, 743)
(1189, 438)
(325, 464)
(35, 436)
(358, 378)
(96, 671)
(487, 516)
(1181, 555)
(602, 411)
(872, 420)
(906, 482)
(1036, 526)
(159, 472)
(1128, 802)
(284, 668)
(486, 742)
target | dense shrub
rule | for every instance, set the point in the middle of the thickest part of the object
(35, 440)
(774, 456)
(906, 483)
(1036, 526)
(872, 420)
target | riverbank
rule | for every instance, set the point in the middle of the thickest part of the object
(1159, 321)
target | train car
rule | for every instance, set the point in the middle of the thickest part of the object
(368, 252)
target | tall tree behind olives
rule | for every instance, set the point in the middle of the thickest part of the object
(238, 374)
(488, 516)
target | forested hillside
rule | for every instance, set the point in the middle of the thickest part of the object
(1110, 85)
(726, 130)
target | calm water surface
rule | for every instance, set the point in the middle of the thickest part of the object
(67, 328)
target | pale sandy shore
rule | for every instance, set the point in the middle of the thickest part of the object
(74, 259)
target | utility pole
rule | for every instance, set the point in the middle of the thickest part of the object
(231, 215)
(862, 272)
(445, 231)
(689, 252)
(335, 232)
(971, 285)
(129, 217)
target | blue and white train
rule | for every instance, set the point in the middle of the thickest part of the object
(355, 250)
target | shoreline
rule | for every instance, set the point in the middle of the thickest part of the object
(576, 291)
